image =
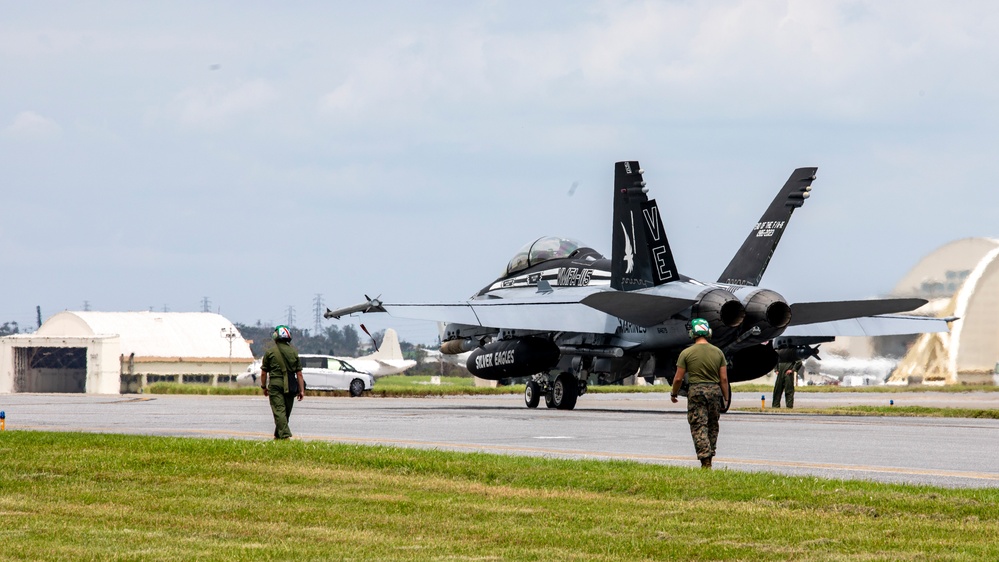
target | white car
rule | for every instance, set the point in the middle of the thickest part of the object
(322, 372)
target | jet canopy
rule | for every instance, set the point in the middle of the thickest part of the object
(541, 250)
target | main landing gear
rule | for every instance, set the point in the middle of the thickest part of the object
(726, 404)
(560, 393)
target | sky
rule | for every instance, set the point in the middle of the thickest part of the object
(264, 155)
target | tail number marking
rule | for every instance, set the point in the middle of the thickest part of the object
(768, 229)
(574, 276)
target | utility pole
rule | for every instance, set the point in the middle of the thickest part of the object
(318, 310)
(229, 334)
(206, 305)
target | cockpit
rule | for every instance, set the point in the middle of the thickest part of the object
(541, 250)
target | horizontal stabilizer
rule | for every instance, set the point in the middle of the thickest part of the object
(812, 312)
(868, 326)
(640, 309)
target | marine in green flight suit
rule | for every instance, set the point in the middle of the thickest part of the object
(787, 374)
(280, 370)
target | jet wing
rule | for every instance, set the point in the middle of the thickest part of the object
(559, 311)
(892, 325)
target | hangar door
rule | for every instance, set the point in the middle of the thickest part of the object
(50, 369)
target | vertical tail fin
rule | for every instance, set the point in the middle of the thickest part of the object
(640, 253)
(390, 348)
(749, 263)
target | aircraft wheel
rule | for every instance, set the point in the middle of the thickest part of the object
(356, 387)
(565, 391)
(726, 404)
(549, 400)
(532, 394)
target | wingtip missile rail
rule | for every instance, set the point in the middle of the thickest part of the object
(371, 305)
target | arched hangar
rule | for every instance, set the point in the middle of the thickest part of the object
(118, 352)
(960, 279)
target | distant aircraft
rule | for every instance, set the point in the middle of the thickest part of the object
(386, 360)
(563, 314)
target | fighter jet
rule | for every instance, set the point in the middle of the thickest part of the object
(565, 316)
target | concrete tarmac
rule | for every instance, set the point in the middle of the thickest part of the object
(638, 427)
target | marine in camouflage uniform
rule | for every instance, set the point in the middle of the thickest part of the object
(706, 369)
(787, 373)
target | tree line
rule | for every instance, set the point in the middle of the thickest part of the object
(332, 340)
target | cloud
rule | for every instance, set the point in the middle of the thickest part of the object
(30, 126)
(214, 107)
(735, 59)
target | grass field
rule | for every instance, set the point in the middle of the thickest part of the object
(66, 496)
(415, 386)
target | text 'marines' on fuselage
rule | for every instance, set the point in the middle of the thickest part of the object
(564, 315)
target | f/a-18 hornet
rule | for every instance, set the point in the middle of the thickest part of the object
(564, 315)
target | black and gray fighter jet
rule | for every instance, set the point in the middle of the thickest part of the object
(566, 316)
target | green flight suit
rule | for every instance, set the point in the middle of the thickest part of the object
(277, 384)
(787, 374)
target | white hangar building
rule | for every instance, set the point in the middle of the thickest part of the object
(119, 352)
(960, 279)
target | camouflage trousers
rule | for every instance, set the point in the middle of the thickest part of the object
(703, 410)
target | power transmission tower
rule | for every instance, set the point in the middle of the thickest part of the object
(86, 306)
(206, 305)
(291, 316)
(318, 310)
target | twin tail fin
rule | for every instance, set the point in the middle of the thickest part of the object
(640, 253)
(750, 262)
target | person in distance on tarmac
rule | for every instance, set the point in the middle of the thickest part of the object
(281, 379)
(788, 366)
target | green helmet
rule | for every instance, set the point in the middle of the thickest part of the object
(282, 332)
(699, 328)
